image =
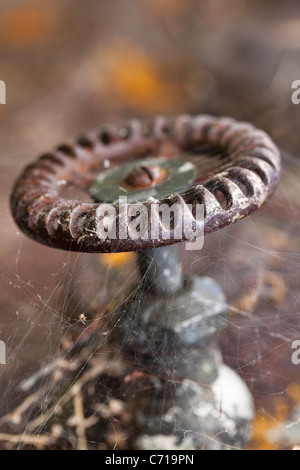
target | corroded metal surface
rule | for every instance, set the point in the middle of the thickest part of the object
(177, 174)
(189, 395)
(246, 179)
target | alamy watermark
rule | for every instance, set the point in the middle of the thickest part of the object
(296, 94)
(296, 353)
(2, 92)
(151, 221)
(2, 352)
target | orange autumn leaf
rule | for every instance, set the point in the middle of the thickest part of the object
(139, 83)
(264, 424)
(25, 24)
(117, 260)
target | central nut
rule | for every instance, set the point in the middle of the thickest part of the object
(144, 176)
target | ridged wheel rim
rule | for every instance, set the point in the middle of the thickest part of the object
(247, 180)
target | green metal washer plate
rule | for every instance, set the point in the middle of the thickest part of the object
(108, 185)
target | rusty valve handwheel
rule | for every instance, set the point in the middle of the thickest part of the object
(246, 176)
(168, 327)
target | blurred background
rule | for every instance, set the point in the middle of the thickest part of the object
(72, 65)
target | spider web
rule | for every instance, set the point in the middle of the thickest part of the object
(66, 384)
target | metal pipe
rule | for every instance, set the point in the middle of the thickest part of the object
(161, 271)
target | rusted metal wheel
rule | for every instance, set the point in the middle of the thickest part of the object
(243, 176)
